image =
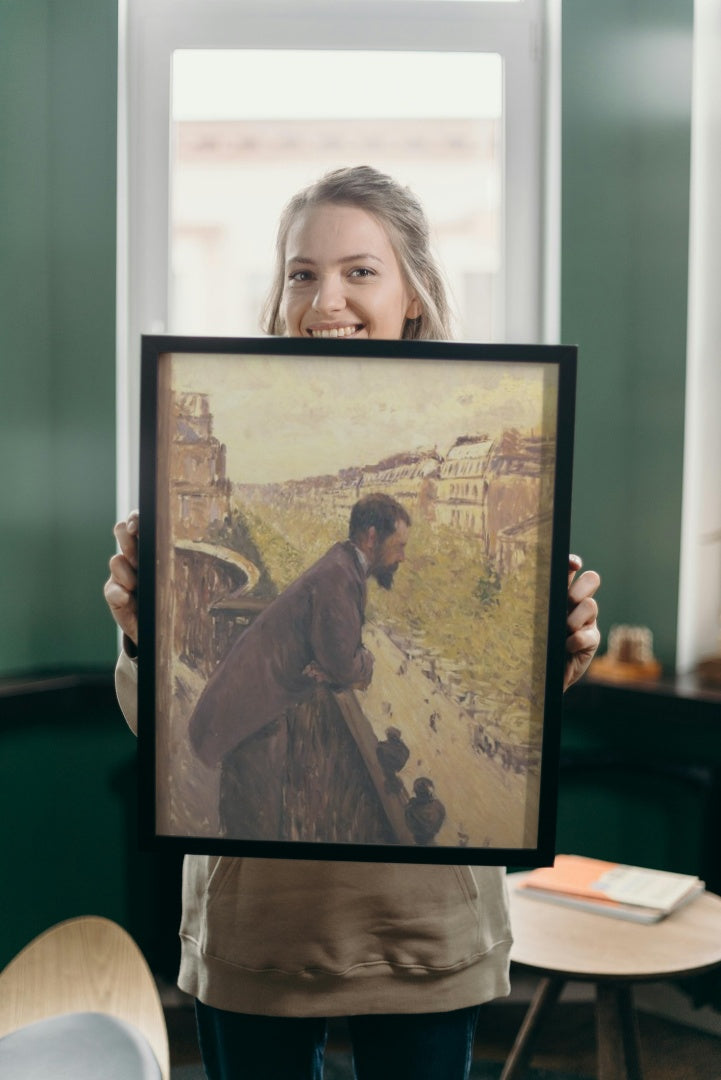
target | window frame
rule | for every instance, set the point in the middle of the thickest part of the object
(526, 34)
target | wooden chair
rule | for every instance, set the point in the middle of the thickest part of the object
(79, 983)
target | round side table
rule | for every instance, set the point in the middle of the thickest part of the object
(563, 944)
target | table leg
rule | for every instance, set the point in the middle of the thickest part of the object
(545, 997)
(617, 1033)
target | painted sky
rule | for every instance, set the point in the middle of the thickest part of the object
(285, 418)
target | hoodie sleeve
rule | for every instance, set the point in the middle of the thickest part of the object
(126, 689)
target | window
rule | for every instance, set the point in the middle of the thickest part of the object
(235, 161)
(448, 95)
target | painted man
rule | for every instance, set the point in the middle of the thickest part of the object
(309, 635)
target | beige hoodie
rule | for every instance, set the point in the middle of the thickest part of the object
(284, 937)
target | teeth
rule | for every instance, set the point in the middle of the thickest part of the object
(336, 332)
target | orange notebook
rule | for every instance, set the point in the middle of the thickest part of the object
(631, 892)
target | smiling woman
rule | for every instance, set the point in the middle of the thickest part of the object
(337, 293)
(353, 259)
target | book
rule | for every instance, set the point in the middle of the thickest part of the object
(607, 888)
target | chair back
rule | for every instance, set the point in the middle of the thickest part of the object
(87, 964)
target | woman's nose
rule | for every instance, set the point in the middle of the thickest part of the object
(329, 295)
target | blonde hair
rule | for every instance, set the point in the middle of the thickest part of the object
(403, 217)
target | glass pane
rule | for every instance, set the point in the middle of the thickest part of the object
(432, 120)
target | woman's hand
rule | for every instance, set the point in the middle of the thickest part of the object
(121, 587)
(583, 635)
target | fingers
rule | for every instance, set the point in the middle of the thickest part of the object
(586, 641)
(121, 587)
(126, 534)
(583, 636)
(583, 613)
(119, 600)
(575, 562)
(582, 607)
(123, 572)
(123, 608)
(583, 587)
(124, 567)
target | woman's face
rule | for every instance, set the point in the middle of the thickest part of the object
(342, 277)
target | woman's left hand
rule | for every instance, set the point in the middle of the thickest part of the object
(583, 635)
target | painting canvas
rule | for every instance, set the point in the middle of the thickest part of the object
(292, 703)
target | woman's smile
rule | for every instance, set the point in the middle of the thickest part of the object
(335, 331)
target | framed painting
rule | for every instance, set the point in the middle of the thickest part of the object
(352, 597)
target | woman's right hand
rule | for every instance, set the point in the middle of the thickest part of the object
(121, 587)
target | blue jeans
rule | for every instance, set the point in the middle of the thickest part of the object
(414, 1046)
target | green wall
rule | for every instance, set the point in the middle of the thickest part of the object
(67, 771)
(625, 201)
(69, 804)
(58, 73)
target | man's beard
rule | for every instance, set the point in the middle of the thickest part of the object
(384, 575)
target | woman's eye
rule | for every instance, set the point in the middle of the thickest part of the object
(300, 276)
(362, 272)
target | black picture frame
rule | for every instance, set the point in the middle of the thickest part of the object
(252, 452)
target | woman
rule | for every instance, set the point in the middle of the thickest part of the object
(271, 948)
